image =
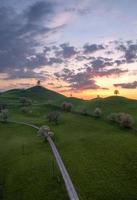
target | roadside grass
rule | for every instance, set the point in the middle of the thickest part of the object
(26, 166)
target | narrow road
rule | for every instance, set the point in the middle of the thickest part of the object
(67, 180)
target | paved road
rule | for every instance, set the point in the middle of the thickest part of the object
(67, 180)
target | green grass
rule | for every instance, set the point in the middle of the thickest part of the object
(37, 94)
(26, 166)
(101, 157)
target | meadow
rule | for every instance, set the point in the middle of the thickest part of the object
(100, 156)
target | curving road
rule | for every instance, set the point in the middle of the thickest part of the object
(67, 180)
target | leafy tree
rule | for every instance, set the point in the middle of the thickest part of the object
(97, 112)
(43, 131)
(24, 101)
(116, 92)
(66, 106)
(24, 109)
(4, 115)
(112, 117)
(123, 119)
(126, 120)
(53, 117)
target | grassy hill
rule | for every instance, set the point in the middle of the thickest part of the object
(100, 157)
(41, 95)
(113, 104)
(37, 94)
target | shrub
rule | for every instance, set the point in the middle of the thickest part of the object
(66, 106)
(53, 117)
(4, 115)
(97, 112)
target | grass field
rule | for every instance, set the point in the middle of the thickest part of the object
(26, 166)
(101, 157)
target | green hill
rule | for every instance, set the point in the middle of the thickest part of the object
(100, 156)
(41, 95)
(37, 94)
(113, 104)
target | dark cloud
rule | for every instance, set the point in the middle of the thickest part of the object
(119, 62)
(108, 72)
(26, 74)
(41, 59)
(38, 11)
(66, 51)
(77, 81)
(132, 85)
(99, 63)
(85, 80)
(18, 37)
(130, 51)
(91, 48)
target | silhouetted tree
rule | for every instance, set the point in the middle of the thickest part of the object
(38, 83)
(116, 92)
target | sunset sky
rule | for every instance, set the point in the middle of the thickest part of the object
(82, 48)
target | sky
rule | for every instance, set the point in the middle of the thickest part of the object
(77, 48)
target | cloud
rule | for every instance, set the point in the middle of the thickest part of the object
(132, 85)
(130, 51)
(38, 11)
(18, 36)
(77, 81)
(109, 72)
(91, 48)
(85, 79)
(26, 74)
(66, 51)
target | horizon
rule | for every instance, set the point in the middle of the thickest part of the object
(85, 99)
(53, 42)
